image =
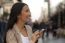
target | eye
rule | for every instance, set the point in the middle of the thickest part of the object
(27, 10)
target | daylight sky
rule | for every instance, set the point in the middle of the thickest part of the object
(36, 6)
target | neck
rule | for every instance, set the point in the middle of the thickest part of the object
(20, 24)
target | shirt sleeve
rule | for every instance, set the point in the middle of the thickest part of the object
(10, 38)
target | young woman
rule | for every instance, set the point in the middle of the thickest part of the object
(18, 31)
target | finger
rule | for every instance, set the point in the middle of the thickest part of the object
(37, 36)
(36, 32)
(41, 34)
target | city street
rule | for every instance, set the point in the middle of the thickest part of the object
(51, 39)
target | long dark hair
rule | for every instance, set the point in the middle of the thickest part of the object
(15, 11)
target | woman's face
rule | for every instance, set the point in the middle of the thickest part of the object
(25, 14)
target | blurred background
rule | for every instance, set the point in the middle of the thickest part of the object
(45, 14)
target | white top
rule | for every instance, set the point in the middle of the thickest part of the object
(23, 39)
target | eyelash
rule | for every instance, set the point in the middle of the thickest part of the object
(27, 10)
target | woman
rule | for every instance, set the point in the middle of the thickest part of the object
(18, 31)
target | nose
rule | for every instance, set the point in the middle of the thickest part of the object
(29, 14)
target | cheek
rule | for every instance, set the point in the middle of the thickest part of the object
(24, 17)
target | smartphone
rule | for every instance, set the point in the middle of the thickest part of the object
(42, 30)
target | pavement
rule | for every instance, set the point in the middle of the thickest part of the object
(51, 39)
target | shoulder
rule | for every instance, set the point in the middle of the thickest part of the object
(10, 38)
(28, 27)
(10, 33)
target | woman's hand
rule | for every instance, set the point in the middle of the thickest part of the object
(35, 36)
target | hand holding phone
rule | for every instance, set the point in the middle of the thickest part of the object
(42, 30)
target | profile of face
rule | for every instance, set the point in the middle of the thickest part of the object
(25, 14)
